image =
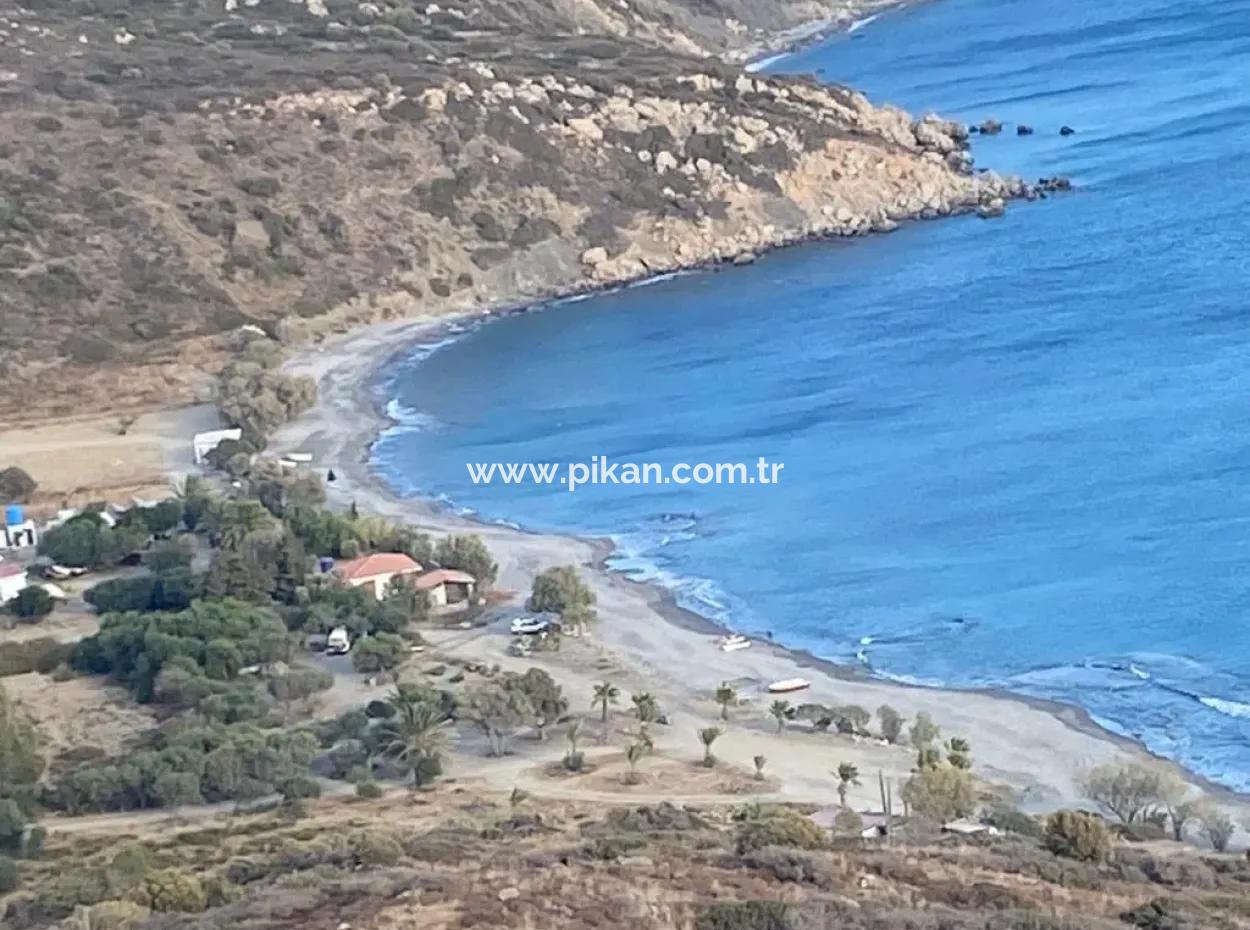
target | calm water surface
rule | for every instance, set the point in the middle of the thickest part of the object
(1015, 452)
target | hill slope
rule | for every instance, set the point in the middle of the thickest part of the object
(172, 170)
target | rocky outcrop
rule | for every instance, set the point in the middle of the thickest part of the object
(306, 169)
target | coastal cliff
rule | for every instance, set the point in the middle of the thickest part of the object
(175, 170)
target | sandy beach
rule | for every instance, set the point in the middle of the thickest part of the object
(643, 641)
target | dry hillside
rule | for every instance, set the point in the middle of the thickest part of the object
(456, 859)
(173, 169)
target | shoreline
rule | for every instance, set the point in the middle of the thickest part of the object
(659, 637)
(347, 371)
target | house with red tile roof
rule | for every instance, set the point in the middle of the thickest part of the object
(377, 570)
(447, 586)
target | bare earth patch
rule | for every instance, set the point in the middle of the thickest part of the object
(79, 716)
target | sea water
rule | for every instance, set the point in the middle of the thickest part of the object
(1016, 451)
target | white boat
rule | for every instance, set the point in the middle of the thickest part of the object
(786, 685)
(733, 642)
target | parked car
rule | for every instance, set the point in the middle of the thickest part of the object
(528, 626)
(338, 642)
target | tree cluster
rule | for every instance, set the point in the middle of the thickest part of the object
(217, 762)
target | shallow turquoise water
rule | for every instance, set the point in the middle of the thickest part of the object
(1015, 451)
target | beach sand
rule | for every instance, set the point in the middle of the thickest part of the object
(643, 641)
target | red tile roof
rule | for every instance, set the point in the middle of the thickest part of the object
(379, 563)
(443, 576)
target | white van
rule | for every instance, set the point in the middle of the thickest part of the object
(338, 642)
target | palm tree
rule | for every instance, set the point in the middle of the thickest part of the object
(415, 735)
(725, 695)
(605, 694)
(646, 707)
(573, 732)
(848, 775)
(632, 755)
(779, 709)
(707, 736)
(759, 767)
(643, 735)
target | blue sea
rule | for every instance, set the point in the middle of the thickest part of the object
(1016, 452)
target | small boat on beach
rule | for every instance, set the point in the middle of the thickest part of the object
(786, 685)
(733, 642)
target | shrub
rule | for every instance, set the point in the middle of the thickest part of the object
(376, 848)
(467, 554)
(116, 915)
(1131, 790)
(1011, 820)
(299, 788)
(940, 794)
(786, 865)
(557, 590)
(32, 845)
(1078, 835)
(745, 915)
(258, 400)
(12, 825)
(16, 485)
(32, 603)
(891, 723)
(848, 823)
(381, 652)
(8, 874)
(368, 789)
(130, 864)
(171, 890)
(778, 827)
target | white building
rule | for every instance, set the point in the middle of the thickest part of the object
(18, 535)
(376, 571)
(12, 580)
(204, 443)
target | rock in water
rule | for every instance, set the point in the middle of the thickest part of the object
(991, 127)
(1066, 130)
(1023, 130)
(992, 208)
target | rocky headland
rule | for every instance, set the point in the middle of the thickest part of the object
(173, 170)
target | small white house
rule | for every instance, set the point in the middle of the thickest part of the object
(204, 443)
(12, 580)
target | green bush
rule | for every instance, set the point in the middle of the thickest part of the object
(376, 848)
(168, 890)
(745, 915)
(378, 653)
(12, 825)
(31, 603)
(779, 827)
(299, 788)
(940, 794)
(368, 789)
(1078, 835)
(85, 541)
(116, 915)
(16, 485)
(1015, 821)
(8, 875)
(559, 590)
